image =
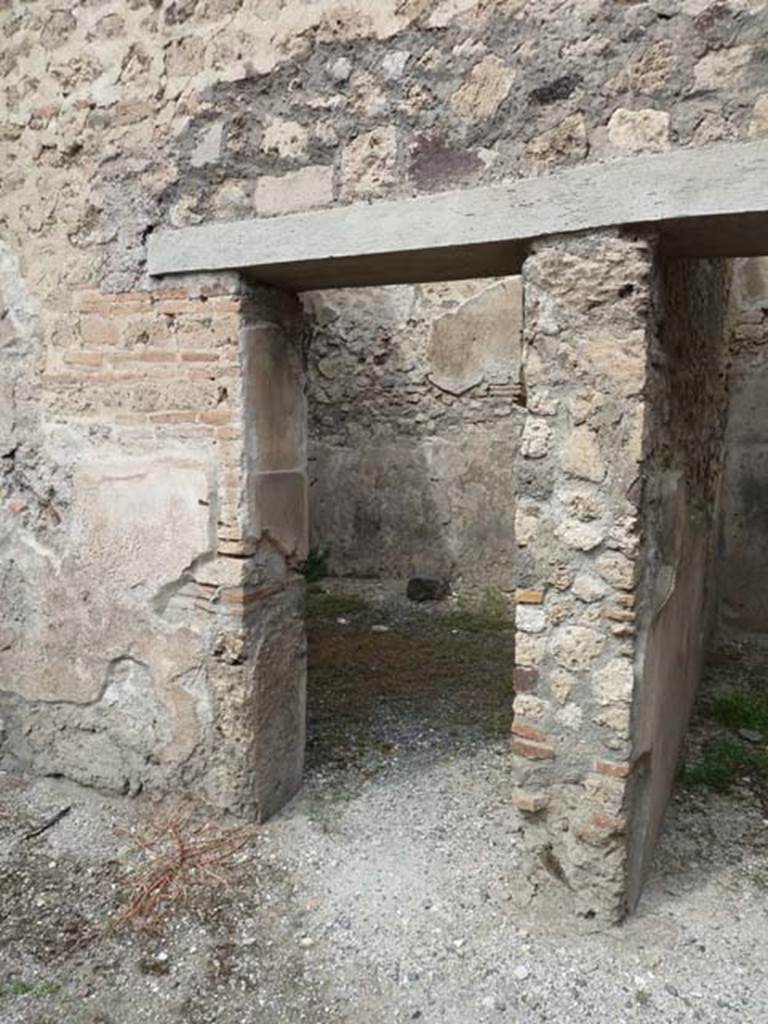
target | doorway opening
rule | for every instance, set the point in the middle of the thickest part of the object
(413, 412)
(727, 748)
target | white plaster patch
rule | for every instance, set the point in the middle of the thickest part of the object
(208, 149)
(571, 716)
(19, 307)
(140, 521)
(141, 720)
(393, 64)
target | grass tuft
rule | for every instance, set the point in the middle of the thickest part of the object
(328, 606)
(479, 613)
(722, 761)
(741, 709)
(315, 567)
(30, 988)
(734, 698)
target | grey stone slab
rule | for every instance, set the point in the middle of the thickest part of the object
(710, 201)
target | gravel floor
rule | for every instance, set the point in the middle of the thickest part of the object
(388, 889)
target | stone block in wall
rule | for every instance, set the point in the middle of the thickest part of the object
(297, 190)
(276, 428)
(639, 131)
(280, 509)
(368, 162)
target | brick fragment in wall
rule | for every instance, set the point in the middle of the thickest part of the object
(533, 751)
(530, 802)
(619, 770)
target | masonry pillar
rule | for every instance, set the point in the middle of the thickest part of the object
(618, 490)
(587, 303)
(263, 526)
(163, 646)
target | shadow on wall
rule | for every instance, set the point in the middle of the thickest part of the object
(743, 540)
(414, 427)
(683, 461)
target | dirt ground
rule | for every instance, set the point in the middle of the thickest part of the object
(388, 890)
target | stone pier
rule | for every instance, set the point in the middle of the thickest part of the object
(616, 511)
(164, 648)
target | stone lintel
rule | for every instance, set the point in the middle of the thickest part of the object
(709, 201)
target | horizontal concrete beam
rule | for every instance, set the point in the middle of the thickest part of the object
(703, 202)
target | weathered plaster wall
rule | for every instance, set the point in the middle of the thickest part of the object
(682, 474)
(413, 428)
(150, 610)
(743, 541)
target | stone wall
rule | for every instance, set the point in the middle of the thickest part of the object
(743, 547)
(413, 428)
(122, 117)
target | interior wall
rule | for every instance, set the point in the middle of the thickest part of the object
(743, 542)
(683, 459)
(412, 408)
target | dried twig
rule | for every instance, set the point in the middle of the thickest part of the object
(177, 854)
(49, 823)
